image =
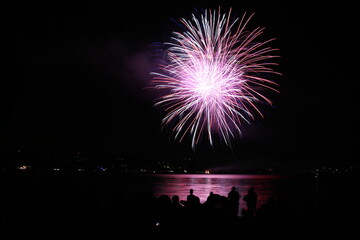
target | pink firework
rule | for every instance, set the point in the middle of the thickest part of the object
(211, 79)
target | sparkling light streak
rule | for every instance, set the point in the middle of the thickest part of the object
(212, 79)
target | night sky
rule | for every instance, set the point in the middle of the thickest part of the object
(79, 71)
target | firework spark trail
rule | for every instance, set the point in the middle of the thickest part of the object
(212, 77)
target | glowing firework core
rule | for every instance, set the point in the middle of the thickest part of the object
(207, 82)
(211, 78)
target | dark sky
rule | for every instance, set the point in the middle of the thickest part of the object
(78, 73)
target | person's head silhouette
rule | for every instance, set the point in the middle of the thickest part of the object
(191, 191)
(175, 199)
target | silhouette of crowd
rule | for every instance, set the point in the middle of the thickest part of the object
(218, 218)
(189, 219)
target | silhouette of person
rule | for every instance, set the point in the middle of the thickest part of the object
(177, 212)
(234, 198)
(192, 200)
(176, 202)
(251, 201)
(210, 198)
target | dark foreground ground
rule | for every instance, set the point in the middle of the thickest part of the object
(63, 206)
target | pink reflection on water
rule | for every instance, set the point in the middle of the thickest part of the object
(202, 184)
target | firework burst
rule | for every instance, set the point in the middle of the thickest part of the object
(211, 80)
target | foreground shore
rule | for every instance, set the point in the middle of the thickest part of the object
(61, 209)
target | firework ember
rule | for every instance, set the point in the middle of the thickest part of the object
(211, 80)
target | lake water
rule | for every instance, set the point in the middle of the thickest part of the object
(179, 184)
(36, 190)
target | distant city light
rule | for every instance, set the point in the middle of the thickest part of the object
(103, 169)
(24, 167)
